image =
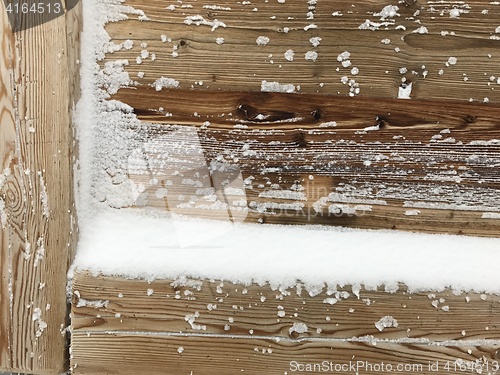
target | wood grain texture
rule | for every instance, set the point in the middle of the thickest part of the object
(227, 308)
(385, 56)
(130, 321)
(7, 146)
(39, 217)
(124, 353)
(372, 163)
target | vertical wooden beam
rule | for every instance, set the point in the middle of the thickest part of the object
(38, 231)
(7, 151)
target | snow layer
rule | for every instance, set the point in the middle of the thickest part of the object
(124, 242)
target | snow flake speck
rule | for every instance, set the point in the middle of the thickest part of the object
(386, 322)
(165, 82)
(276, 87)
(311, 55)
(451, 61)
(455, 13)
(421, 30)
(198, 20)
(289, 54)
(343, 56)
(262, 40)
(315, 41)
(298, 328)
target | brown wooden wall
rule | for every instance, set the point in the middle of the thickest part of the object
(428, 164)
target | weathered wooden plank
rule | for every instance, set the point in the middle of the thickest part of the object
(105, 303)
(383, 57)
(7, 145)
(128, 353)
(413, 165)
(280, 111)
(39, 220)
(208, 325)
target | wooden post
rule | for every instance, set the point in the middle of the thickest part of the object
(38, 87)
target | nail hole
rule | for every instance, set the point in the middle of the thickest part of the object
(182, 43)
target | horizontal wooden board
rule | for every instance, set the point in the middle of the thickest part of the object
(122, 326)
(226, 308)
(127, 353)
(189, 51)
(414, 165)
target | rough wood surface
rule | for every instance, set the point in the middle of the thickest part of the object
(371, 161)
(7, 140)
(36, 196)
(384, 56)
(128, 354)
(226, 308)
(217, 322)
(403, 164)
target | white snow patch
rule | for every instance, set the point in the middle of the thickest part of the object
(404, 91)
(315, 41)
(262, 40)
(289, 54)
(386, 322)
(276, 87)
(165, 82)
(412, 212)
(127, 243)
(299, 328)
(311, 55)
(421, 30)
(389, 11)
(199, 20)
(490, 215)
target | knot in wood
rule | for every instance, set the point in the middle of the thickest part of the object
(470, 119)
(299, 138)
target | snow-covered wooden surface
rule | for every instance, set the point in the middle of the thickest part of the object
(123, 326)
(334, 146)
(38, 87)
(447, 49)
(384, 163)
(172, 87)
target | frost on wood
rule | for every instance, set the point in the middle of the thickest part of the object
(404, 90)
(37, 318)
(386, 322)
(3, 215)
(165, 82)
(276, 87)
(298, 328)
(199, 20)
(120, 145)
